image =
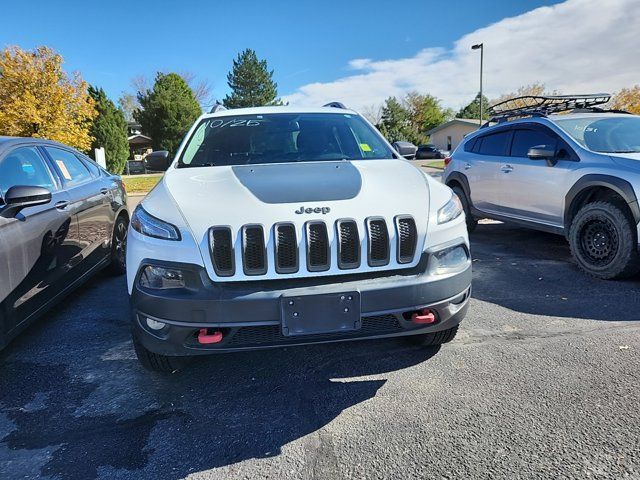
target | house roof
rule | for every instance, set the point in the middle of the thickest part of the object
(459, 121)
(139, 139)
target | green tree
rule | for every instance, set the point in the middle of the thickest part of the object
(109, 130)
(167, 111)
(473, 109)
(251, 83)
(425, 113)
(394, 123)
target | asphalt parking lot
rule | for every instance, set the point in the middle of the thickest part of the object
(542, 382)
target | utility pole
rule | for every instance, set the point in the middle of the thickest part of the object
(480, 46)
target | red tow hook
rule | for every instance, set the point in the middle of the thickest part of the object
(424, 317)
(205, 339)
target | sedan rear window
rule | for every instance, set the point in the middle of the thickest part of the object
(282, 138)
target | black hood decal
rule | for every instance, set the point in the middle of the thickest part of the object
(300, 182)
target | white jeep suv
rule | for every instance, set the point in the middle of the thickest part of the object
(280, 226)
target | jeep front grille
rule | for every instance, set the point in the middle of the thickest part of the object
(348, 244)
(317, 252)
(221, 248)
(378, 242)
(407, 239)
(254, 254)
(286, 245)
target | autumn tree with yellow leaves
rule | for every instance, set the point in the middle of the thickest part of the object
(627, 99)
(38, 98)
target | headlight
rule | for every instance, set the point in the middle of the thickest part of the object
(148, 225)
(160, 278)
(452, 209)
(449, 260)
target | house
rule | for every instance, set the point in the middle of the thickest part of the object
(139, 144)
(447, 136)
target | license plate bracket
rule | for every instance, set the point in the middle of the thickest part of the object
(318, 314)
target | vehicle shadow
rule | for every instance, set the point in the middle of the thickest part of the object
(533, 272)
(78, 405)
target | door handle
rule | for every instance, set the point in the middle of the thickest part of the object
(467, 166)
(506, 169)
(104, 191)
(62, 204)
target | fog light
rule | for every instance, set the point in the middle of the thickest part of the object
(155, 325)
(161, 278)
(449, 260)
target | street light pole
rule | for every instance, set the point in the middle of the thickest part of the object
(481, 47)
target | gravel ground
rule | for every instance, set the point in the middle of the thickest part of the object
(541, 382)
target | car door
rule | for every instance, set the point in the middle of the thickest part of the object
(482, 167)
(531, 188)
(38, 244)
(89, 202)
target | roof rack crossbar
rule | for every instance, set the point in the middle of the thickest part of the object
(540, 105)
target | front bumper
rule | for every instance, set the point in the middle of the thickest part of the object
(248, 313)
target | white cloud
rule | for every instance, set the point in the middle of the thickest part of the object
(579, 46)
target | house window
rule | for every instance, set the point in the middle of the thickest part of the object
(449, 143)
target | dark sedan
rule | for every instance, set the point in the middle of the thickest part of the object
(428, 151)
(62, 218)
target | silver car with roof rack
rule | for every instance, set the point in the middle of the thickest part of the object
(560, 164)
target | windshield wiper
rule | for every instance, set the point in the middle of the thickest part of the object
(192, 165)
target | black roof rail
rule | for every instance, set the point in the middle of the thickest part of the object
(543, 105)
(218, 107)
(335, 105)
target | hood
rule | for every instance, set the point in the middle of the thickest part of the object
(300, 192)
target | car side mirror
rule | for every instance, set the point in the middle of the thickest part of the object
(541, 152)
(157, 161)
(20, 196)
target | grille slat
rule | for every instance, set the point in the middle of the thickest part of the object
(318, 252)
(254, 255)
(407, 238)
(348, 244)
(378, 250)
(221, 250)
(286, 248)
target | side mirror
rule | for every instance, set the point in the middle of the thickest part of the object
(157, 161)
(541, 152)
(406, 149)
(20, 197)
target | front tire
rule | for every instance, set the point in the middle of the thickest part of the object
(472, 222)
(603, 241)
(154, 362)
(118, 264)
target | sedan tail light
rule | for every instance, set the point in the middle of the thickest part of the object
(447, 161)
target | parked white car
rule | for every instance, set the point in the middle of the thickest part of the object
(282, 226)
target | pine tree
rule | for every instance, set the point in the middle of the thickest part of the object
(109, 130)
(473, 109)
(394, 125)
(251, 83)
(167, 111)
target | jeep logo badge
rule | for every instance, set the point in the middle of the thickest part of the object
(322, 210)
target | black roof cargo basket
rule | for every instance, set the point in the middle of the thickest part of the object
(541, 106)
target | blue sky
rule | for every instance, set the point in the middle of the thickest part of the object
(304, 41)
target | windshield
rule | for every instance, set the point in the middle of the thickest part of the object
(282, 137)
(605, 134)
